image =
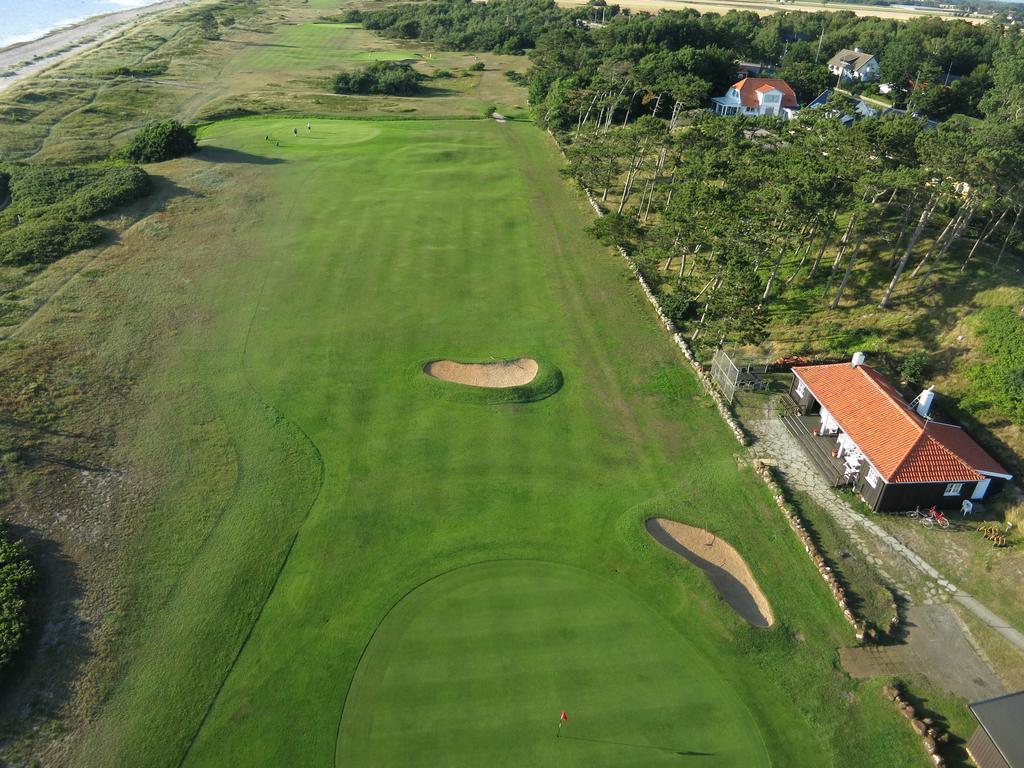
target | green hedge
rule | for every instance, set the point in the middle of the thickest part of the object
(16, 576)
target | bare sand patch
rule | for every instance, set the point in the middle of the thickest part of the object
(497, 375)
(720, 562)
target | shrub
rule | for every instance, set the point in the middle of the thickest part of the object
(158, 141)
(147, 69)
(442, 74)
(16, 576)
(381, 77)
(913, 366)
(477, 67)
(616, 229)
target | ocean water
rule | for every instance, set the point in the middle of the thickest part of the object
(28, 19)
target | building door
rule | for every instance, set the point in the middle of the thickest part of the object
(980, 489)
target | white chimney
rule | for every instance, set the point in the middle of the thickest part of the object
(857, 359)
(924, 401)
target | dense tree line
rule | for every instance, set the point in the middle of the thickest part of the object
(937, 67)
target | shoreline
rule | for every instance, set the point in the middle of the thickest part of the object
(22, 59)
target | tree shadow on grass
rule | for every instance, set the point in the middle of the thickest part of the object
(224, 155)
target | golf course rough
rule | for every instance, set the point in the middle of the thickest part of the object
(474, 667)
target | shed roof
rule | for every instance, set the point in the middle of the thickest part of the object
(902, 445)
(1001, 718)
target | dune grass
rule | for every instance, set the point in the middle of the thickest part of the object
(308, 480)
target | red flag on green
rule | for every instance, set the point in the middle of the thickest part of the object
(564, 718)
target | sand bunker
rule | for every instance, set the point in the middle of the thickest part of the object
(497, 375)
(721, 563)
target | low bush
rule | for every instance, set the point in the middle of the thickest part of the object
(16, 576)
(50, 208)
(381, 77)
(147, 69)
(80, 192)
(160, 140)
(913, 367)
(44, 240)
(477, 67)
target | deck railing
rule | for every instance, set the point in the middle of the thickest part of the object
(834, 474)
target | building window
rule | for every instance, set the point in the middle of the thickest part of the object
(953, 489)
(800, 388)
(873, 477)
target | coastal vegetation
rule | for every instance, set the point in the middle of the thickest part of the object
(52, 209)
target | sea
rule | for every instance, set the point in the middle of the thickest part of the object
(22, 20)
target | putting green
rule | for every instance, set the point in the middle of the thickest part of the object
(474, 667)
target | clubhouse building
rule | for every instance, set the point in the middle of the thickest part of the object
(861, 433)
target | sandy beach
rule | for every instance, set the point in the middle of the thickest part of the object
(28, 58)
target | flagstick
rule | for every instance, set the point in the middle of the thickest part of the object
(559, 731)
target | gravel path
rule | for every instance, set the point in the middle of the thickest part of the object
(885, 552)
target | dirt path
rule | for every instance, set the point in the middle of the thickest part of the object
(722, 564)
(936, 648)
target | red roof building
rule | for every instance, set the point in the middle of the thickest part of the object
(894, 453)
(757, 96)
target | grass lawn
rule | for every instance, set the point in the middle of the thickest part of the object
(306, 480)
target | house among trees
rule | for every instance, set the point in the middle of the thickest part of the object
(999, 740)
(861, 433)
(757, 96)
(853, 65)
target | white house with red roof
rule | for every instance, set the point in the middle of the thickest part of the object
(767, 96)
(892, 452)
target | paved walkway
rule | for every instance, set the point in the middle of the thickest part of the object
(936, 648)
(886, 553)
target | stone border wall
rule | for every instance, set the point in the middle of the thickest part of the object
(932, 737)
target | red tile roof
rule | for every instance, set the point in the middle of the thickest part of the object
(899, 443)
(749, 85)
